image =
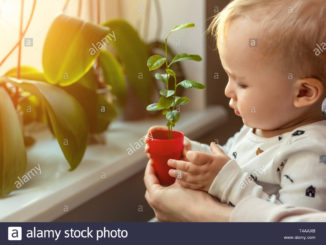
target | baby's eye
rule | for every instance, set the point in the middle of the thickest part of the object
(241, 85)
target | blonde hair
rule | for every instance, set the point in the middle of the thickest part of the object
(292, 31)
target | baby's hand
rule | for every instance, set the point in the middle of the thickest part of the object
(199, 169)
(186, 148)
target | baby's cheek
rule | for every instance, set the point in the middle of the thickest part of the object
(253, 115)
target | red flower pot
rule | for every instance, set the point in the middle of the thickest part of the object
(161, 149)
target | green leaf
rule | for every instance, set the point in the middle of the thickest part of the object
(167, 93)
(170, 72)
(156, 61)
(66, 116)
(70, 49)
(170, 124)
(164, 78)
(191, 84)
(133, 54)
(12, 149)
(165, 103)
(98, 111)
(153, 107)
(32, 110)
(180, 101)
(173, 116)
(106, 113)
(165, 112)
(182, 26)
(184, 57)
(26, 72)
(113, 76)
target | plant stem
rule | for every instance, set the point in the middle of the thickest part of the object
(170, 131)
(65, 6)
(166, 52)
(20, 38)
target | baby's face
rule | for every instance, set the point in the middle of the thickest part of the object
(259, 91)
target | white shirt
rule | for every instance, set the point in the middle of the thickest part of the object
(289, 168)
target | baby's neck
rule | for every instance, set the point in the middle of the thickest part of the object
(288, 127)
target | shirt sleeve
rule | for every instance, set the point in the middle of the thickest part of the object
(253, 209)
(231, 185)
(302, 181)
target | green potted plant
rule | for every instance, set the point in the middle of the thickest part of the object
(168, 144)
(74, 95)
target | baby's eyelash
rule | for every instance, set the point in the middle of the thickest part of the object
(241, 85)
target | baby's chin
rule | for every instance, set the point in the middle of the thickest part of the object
(264, 126)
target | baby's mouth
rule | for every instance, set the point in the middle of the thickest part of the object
(237, 112)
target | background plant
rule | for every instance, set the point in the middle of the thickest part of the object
(169, 102)
(77, 94)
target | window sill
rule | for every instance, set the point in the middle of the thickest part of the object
(49, 195)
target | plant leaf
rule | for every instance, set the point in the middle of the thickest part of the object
(98, 111)
(26, 72)
(184, 57)
(159, 47)
(180, 101)
(156, 61)
(113, 76)
(66, 116)
(170, 72)
(173, 116)
(30, 106)
(165, 103)
(32, 110)
(167, 93)
(162, 77)
(170, 124)
(133, 54)
(165, 112)
(106, 113)
(12, 149)
(70, 49)
(191, 84)
(153, 107)
(182, 26)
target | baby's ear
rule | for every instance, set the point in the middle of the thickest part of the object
(308, 91)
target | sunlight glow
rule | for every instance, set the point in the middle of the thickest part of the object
(9, 10)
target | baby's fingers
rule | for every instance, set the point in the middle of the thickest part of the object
(183, 166)
(190, 185)
(185, 179)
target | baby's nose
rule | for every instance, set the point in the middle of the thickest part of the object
(228, 90)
